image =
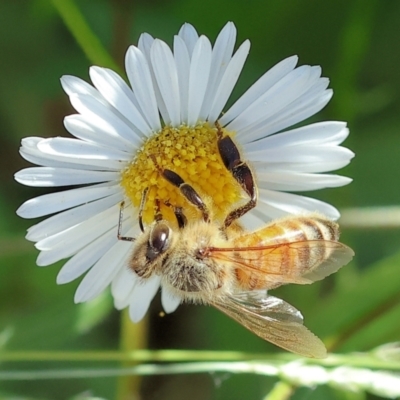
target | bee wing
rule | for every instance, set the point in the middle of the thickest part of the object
(274, 320)
(300, 262)
(322, 264)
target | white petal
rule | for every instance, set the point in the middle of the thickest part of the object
(303, 111)
(144, 44)
(76, 86)
(94, 131)
(72, 148)
(166, 75)
(73, 85)
(86, 231)
(284, 92)
(141, 296)
(182, 60)
(301, 154)
(296, 182)
(221, 56)
(252, 221)
(320, 133)
(31, 152)
(265, 212)
(122, 286)
(198, 79)
(67, 243)
(228, 81)
(48, 177)
(138, 71)
(290, 115)
(103, 272)
(123, 302)
(314, 166)
(118, 94)
(260, 87)
(295, 204)
(189, 35)
(65, 220)
(98, 113)
(78, 151)
(169, 301)
(86, 258)
(55, 202)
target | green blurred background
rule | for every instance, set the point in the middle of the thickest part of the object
(357, 43)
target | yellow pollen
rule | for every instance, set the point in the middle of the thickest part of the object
(193, 154)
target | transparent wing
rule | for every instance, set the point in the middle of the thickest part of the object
(273, 320)
(336, 256)
(300, 262)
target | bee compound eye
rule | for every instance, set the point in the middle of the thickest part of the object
(159, 239)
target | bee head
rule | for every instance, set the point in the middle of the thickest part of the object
(159, 240)
(151, 248)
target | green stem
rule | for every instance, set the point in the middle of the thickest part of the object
(387, 217)
(87, 40)
(133, 338)
(142, 370)
(281, 391)
(362, 360)
(142, 355)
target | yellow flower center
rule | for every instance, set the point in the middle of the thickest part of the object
(192, 153)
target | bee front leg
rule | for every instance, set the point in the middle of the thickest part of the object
(119, 232)
(179, 215)
(240, 171)
(187, 190)
(141, 208)
(140, 217)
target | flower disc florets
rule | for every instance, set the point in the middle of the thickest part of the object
(192, 153)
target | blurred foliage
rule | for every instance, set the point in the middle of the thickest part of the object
(356, 42)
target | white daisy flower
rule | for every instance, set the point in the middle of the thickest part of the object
(169, 110)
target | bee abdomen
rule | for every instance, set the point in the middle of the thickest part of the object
(314, 234)
(312, 228)
(286, 250)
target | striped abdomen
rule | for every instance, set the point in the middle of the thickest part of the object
(289, 250)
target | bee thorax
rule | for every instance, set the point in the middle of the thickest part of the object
(191, 273)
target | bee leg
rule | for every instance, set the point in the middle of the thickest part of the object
(158, 216)
(119, 235)
(180, 216)
(121, 210)
(187, 190)
(141, 208)
(240, 171)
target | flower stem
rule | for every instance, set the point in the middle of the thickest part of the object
(133, 337)
(87, 40)
(387, 217)
(281, 391)
(360, 360)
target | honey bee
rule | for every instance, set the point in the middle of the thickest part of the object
(221, 264)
